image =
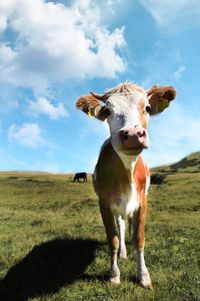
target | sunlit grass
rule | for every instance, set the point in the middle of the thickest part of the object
(53, 246)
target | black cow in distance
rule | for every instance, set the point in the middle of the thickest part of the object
(80, 175)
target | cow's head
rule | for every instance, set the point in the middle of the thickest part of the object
(127, 108)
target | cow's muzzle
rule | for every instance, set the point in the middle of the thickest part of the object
(134, 138)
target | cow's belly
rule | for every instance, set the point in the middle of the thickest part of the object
(127, 204)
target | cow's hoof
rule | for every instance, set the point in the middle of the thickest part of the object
(145, 282)
(123, 254)
(147, 285)
(115, 280)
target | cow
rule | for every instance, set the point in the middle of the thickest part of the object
(121, 178)
(80, 175)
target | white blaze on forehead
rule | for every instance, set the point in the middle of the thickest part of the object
(126, 109)
(121, 104)
(133, 117)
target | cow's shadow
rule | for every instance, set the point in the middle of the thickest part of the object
(47, 268)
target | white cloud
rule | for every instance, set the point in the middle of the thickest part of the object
(9, 99)
(113, 4)
(29, 134)
(43, 106)
(57, 42)
(183, 13)
(179, 72)
(7, 55)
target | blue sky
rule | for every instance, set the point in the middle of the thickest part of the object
(52, 52)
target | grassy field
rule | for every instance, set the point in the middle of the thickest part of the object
(53, 246)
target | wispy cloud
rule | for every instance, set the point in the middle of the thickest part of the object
(43, 106)
(168, 67)
(184, 13)
(57, 42)
(177, 75)
(29, 135)
(37, 166)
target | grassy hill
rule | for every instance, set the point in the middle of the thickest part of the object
(189, 164)
(53, 246)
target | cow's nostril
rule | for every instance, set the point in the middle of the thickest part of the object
(125, 134)
(141, 134)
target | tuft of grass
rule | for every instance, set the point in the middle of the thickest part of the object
(53, 245)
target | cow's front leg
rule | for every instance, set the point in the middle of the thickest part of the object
(122, 246)
(113, 242)
(139, 241)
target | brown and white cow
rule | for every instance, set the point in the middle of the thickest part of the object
(121, 178)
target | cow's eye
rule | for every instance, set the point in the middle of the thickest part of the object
(103, 113)
(106, 112)
(148, 109)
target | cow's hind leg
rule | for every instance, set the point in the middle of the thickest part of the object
(113, 242)
(122, 246)
(139, 241)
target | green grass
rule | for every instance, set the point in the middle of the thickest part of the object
(53, 246)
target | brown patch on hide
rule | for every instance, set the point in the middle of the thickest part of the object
(140, 175)
(111, 177)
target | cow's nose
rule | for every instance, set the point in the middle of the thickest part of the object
(125, 134)
(134, 137)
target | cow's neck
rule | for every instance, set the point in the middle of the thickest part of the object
(129, 163)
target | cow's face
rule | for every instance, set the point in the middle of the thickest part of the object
(128, 121)
(127, 109)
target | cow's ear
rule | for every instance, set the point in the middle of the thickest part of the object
(160, 97)
(90, 105)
